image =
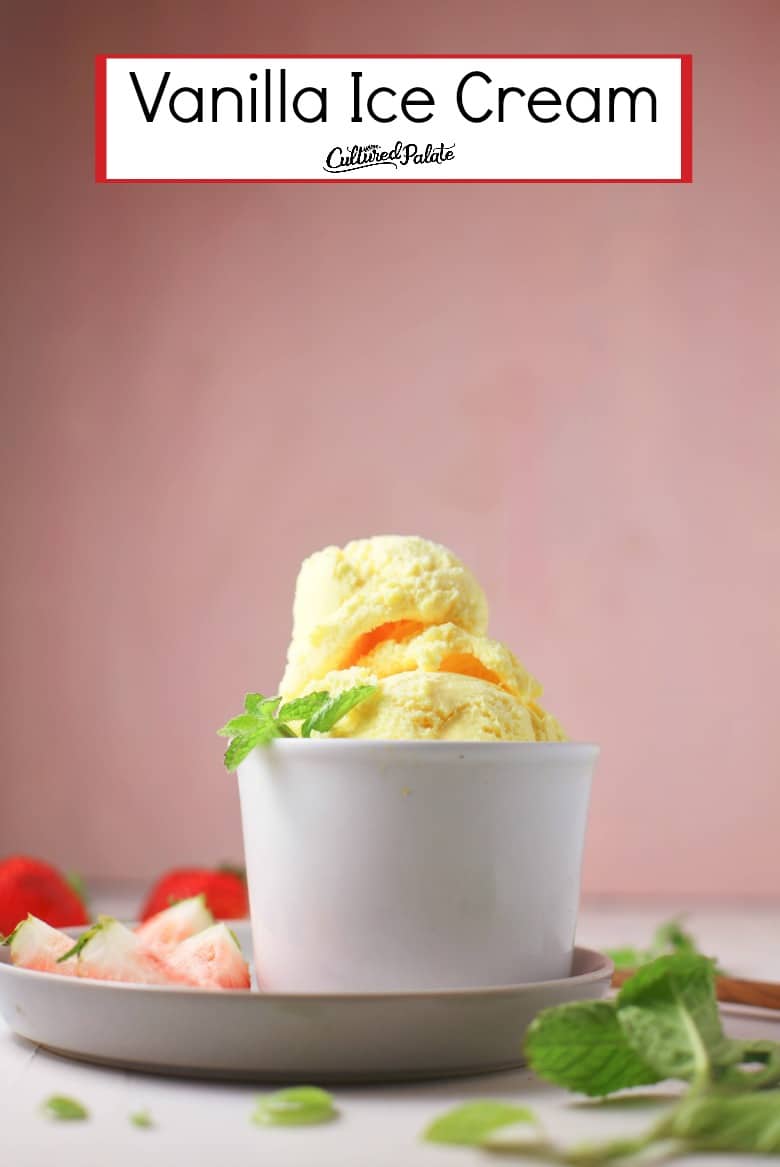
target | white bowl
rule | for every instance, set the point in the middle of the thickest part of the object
(384, 866)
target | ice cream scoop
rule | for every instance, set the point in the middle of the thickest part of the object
(406, 615)
(348, 600)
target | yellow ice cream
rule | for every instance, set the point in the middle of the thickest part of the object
(405, 614)
(348, 599)
(445, 648)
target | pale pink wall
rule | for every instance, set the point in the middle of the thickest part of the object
(576, 387)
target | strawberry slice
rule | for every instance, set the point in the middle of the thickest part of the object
(36, 945)
(212, 959)
(161, 933)
(108, 951)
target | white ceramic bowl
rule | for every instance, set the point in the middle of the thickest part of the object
(384, 866)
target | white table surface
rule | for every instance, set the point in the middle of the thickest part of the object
(207, 1122)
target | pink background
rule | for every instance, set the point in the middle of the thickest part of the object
(576, 387)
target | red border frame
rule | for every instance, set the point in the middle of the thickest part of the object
(686, 107)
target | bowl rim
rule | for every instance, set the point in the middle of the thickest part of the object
(361, 743)
(543, 753)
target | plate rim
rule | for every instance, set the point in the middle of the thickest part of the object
(602, 972)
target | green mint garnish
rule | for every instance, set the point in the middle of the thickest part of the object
(266, 718)
(300, 708)
(257, 703)
(581, 1046)
(742, 1122)
(64, 1109)
(470, 1124)
(298, 1106)
(669, 1014)
(663, 1024)
(335, 708)
(142, 1119)
(670, 939)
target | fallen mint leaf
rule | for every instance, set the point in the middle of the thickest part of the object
(669, 1013)
(719, 1122)
(64, 1109)
(142, 1119)
(582, 1047)
(470, 1124)
(297, 1106)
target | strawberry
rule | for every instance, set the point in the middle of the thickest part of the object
(108, 951)
(224, 889)
(162, 933)
(211, 959)
(32, 886)
(36, 945)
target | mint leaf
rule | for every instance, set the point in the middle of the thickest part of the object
(257, 703)
(241, 746)
(302, 707)
(298, 1106)
(627, 957)
(63, 1108)
(335, 708)
(741, 1054)
(670, 938)
(581, 1046)
(719, 1122)
(470, 1124)
(669, 1014)
(243, 725)
(142, 1119)
(263, 720)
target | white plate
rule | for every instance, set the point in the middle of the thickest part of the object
(287, 1036)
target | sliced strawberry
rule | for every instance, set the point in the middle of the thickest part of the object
(108, 951)
(36, 945)
(212, 959)
(163, 932)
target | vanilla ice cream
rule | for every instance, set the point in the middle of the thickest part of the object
(406, 615)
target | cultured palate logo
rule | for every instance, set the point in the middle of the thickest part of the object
(344, 159)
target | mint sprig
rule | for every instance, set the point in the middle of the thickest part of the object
(668, 1011)
(582, 1047)
(669, 939)
(663, 1024)
(266, 718)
